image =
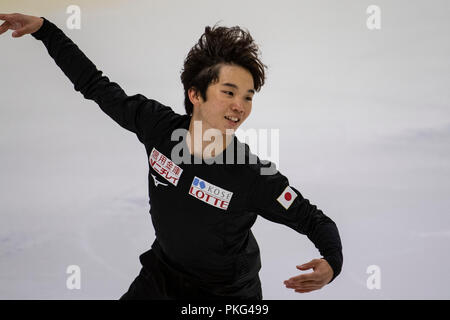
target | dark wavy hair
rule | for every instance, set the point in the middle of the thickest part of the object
(218, 46)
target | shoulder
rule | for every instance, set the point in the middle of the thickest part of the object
(161, 119)
(254, 166)
(253, 170)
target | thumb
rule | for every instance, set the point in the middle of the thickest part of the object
(20, 32)
(307, 265)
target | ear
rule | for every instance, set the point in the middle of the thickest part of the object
(194, 96)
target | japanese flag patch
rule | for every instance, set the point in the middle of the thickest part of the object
(287, 197)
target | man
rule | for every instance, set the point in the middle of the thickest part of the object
(202, 207)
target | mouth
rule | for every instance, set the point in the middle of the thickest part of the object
(232, 119)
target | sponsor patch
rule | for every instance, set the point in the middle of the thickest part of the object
(287, 197)
(165, 167)
(209, 193)
(157, 183)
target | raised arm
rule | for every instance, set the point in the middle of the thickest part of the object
(135, 113)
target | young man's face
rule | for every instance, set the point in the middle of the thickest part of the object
(227, 100)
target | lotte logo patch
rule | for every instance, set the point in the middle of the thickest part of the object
(209, 193)
(287, 197)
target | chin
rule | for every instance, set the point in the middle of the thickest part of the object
(229, 132)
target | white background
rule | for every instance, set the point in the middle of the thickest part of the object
(364, 135)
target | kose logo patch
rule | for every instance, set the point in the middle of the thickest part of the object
(211, 194)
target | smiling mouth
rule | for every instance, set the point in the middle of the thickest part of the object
(233, 119)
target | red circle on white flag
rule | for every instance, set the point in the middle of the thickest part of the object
(288, 196)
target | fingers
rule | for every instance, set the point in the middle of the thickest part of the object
(4, 27)
(305, 282)
(303, 287)
(305, 290)
(7, 17)
(11, 22)
(301, 282)
(312, 276)
(310, 281)
(309, 289)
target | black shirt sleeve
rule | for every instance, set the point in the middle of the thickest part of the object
(272, 198)
(135, 113)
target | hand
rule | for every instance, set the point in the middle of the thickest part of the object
(322, 275)
(22, 24)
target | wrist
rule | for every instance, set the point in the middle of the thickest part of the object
(40, 33)
(40, 23)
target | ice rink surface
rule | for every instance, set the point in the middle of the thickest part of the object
(364, 120)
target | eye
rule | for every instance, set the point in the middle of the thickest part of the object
(231, 93)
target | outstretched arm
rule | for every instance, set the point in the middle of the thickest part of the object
(135, 113)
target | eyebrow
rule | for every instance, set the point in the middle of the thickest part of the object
(236, 87)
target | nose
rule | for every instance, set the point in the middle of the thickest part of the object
(237, 107)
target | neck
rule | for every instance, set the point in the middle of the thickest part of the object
(205, 142)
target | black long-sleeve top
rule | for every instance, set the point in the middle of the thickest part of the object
(202, 213)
